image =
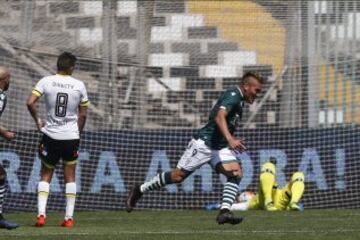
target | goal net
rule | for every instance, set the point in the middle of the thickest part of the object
(153, 70)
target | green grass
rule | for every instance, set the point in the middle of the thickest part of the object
(312, 224)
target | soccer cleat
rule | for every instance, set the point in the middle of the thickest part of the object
(69, 223)
(270, 207)
(295, 207)
(228, 217)
(40, 221)
(8, 225)
(134, 196)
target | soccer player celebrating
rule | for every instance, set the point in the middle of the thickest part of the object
(66, 109)
(271, 198)
(8, 135)
(215, 143)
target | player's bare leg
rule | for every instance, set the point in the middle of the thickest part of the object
(233, 172)
(43, 193)
(159, 181)
(70, 192)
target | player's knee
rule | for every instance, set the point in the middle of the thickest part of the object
(268, 168)
(298, 176)
(177, 179)
(229, 170)
(178, 176)
(2, 175)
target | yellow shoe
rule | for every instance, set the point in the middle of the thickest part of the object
(294, 207)
(270, 207)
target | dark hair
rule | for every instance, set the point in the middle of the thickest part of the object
(253, 75)
(65, 61)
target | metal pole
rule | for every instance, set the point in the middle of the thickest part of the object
(336, 58)
(109, 46)
(143, 36)
(312, 88)
(289, 113)
(114, 99)
(345, 63)
(327, 60)
(353, 66)
(26, 22)
(319, 49)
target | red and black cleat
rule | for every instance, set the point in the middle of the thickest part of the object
(134, 196)
(69, 223)
(40, 221)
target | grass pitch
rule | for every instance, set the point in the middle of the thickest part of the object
(311, 224)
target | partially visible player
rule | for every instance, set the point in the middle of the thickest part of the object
(269, 197)
(66, 109)
(8, 135)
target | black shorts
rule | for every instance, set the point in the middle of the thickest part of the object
(51, 150)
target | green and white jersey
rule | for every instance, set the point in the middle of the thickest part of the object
(232, 101)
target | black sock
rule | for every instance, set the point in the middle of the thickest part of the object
(224, 210)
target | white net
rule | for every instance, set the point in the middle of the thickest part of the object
(153, 70)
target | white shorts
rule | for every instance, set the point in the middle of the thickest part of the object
(198, 153)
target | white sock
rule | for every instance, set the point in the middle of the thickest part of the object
(43, 194)
(243, 206)
(70, 191)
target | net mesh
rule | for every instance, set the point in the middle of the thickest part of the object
(153, 70)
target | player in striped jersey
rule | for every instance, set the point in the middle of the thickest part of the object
(8, 135)
(216, 144)
(66, 109)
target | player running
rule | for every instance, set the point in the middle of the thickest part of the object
(215, 143)
(8, 135)
(66, 109)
